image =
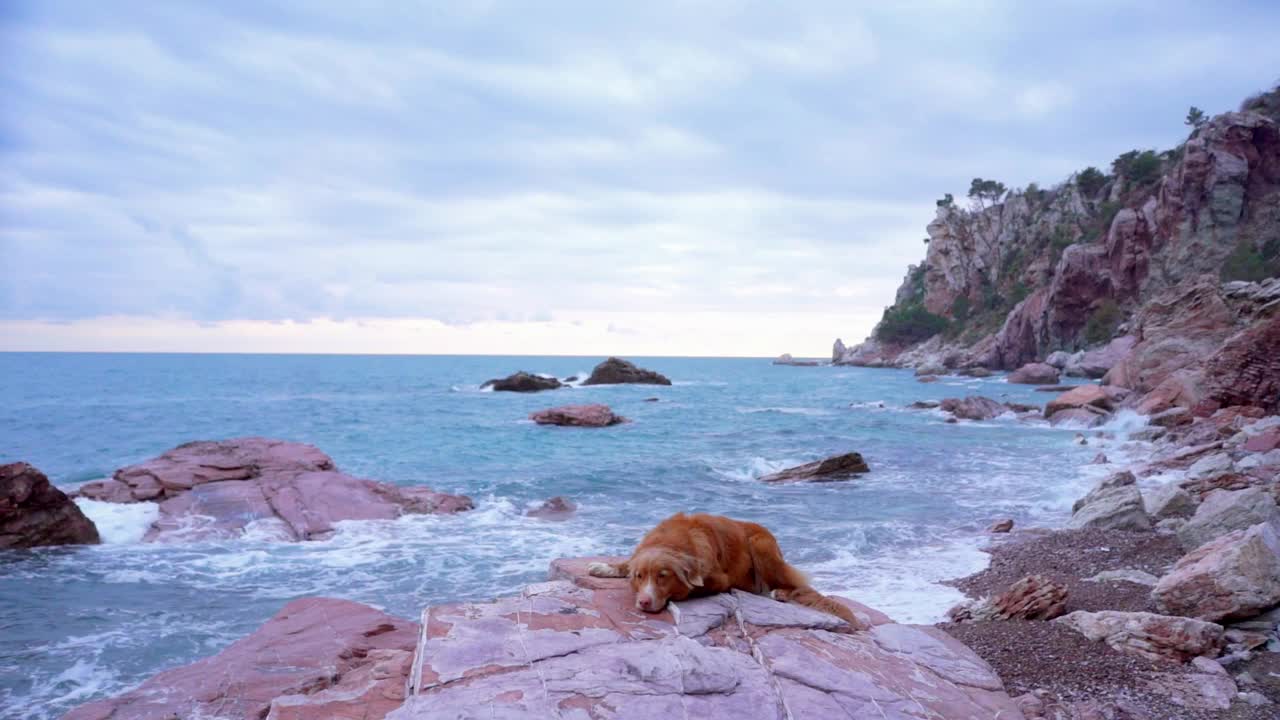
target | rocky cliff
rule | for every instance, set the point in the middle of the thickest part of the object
(1017, 276)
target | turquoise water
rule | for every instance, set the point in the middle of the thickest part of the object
(81, 623)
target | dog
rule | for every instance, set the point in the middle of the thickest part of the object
(695, 555)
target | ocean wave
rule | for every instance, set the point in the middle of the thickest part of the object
(816, 412)
(120, 523)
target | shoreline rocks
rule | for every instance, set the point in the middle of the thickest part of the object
(1233, 577)
(838, 467)
(34, 513)
(1034, 374)
(578, 416)
(522, 382)
(616, 371)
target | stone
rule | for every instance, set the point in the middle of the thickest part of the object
(1034, 374)
(974, 372)
(1173, 417)
(1210, 465)
(577, 416)
(522, 382)
(1001, 526)
(34, 513)
(931, 368)
(1034, 597)
(1113, 504)
(616, 371)
(974, 407)
(1081, 396)
(1079, 417)
(1246, 369)
(1168, 501)
(927, 379)
(1225, 511)
(316, 659)
(220, 489)
(1195, 691)
(1129, 575)
(1058, 359)
(1263, 442)
(556, 508)
(1233, 577)
(1148, 635)
(1095, 363)
(838, 467)
(924, 405)
(562, 650)
(786, 359)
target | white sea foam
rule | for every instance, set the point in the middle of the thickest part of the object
(815, 412)
(120, 522)
(753, 469)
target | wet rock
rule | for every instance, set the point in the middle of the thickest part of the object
(1082, 416)
(523, 382)
(578, 416)
(974, 372)
(924, 405)
(218, 489)
(1001, 526)
(564, 650)
(1148, 635)
(318, 658)
(1034, 374)
(556, 508)
(1081, 397)
(974, 407)
(1113, 504)
(927, 379)
(616, 371)
(34, 513)
(1225, 511)
(838, 467)
(1233, 577)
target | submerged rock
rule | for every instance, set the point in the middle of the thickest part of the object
(1001, 526)
(317, 659)
(1034, 374)
(1148, 635)
(566, 650)
(974, 407)
(213, 489)
(616, 371)
(839, 467)
(523, 382)
(34, 513)
(578, 416)
(556, 508)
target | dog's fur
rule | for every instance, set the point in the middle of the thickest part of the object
(694, 555)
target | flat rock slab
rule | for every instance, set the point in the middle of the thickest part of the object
(577, 416)
(318, 658)
(839, 467)
(562, 650)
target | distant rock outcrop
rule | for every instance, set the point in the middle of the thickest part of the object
(838, 467)
(786, 359)
(522, 382)
(34, 513)
(616, 371)
(578, 416)
(1034, 374)
(292, 490)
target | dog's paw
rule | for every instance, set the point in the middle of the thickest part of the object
(604, 570)
(780, 595)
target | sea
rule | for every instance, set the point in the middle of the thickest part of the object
(81, 623)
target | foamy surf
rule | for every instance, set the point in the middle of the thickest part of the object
(120, 523)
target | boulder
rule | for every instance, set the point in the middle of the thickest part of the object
(976, 371)
(1058, 359)
(1180, 389)
(616, 371)
(1263, 442)
(292, 491)
(1034, 597)
(1168, 501)
(1148, 635)
(925, 405)
(556, 508)
(838, 467)
(1225, 511)
(578, 416)
(563, 650)
(1001, 526)
(974, 407)
(1114, 504)
(931, 368)
(1034, 374)
(1194, 691)
(522, 382)
(1233, 577)
(1246, 369)
(317, 659)
(1081, 396)
(34, 513)
(1081, 416)
(927, 379)
(1173, 417)
(1095, 363)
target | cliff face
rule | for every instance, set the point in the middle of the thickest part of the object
(1013, 279)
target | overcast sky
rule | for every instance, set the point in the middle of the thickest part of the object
(662, 178)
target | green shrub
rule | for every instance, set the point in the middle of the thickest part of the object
(1019, 293)
(1061, 239)
(960, 309)
(1102, 323)
(1247, 263)
(1090, 180)
(1139, 168)
(909, 324)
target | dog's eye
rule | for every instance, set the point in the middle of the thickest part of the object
(663, 573)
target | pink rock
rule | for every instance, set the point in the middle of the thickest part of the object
(1233, 577)
(1034, 374)
(1148, 635)
(1246, 369)
(1094, 396)
(578, 416)
(318, 658)
(34, 513)
(1264, 441)
(562, 650)
(1001, 526)
(974, 407)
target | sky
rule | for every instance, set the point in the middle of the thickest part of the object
(575, 178)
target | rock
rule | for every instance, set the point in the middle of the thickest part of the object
(1114, 504)
(1081, 396)
(838, 351)
(1056, 388)
(1168, 501)
(1100, 459)
(924, 405)
(1173, 417)
(931, 369)
(974, 372)
(786, 359)
(556, 508)
(1233, 577)
(1001, 526)
(838, 467)
(218, 489)
(1263, 442)
(1246, 369)
(1180, 389)
(974, 407)
(577, 416)
(1147, 635)
(523, 382)
(34, 513)
(1196, 691)
(1129, 575)
(1082, 416)
(561, 650)
(317, 659)
(1034, 374)
(1225, 511)
(927, 379)
(1095, 363)
(1058, 359)
(1034, 597)
(1211, 465)
(616, 371)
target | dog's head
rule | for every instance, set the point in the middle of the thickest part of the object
(660, 574)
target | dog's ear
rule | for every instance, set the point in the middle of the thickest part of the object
(688, 570)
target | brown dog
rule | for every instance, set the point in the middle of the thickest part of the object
(694, 555)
